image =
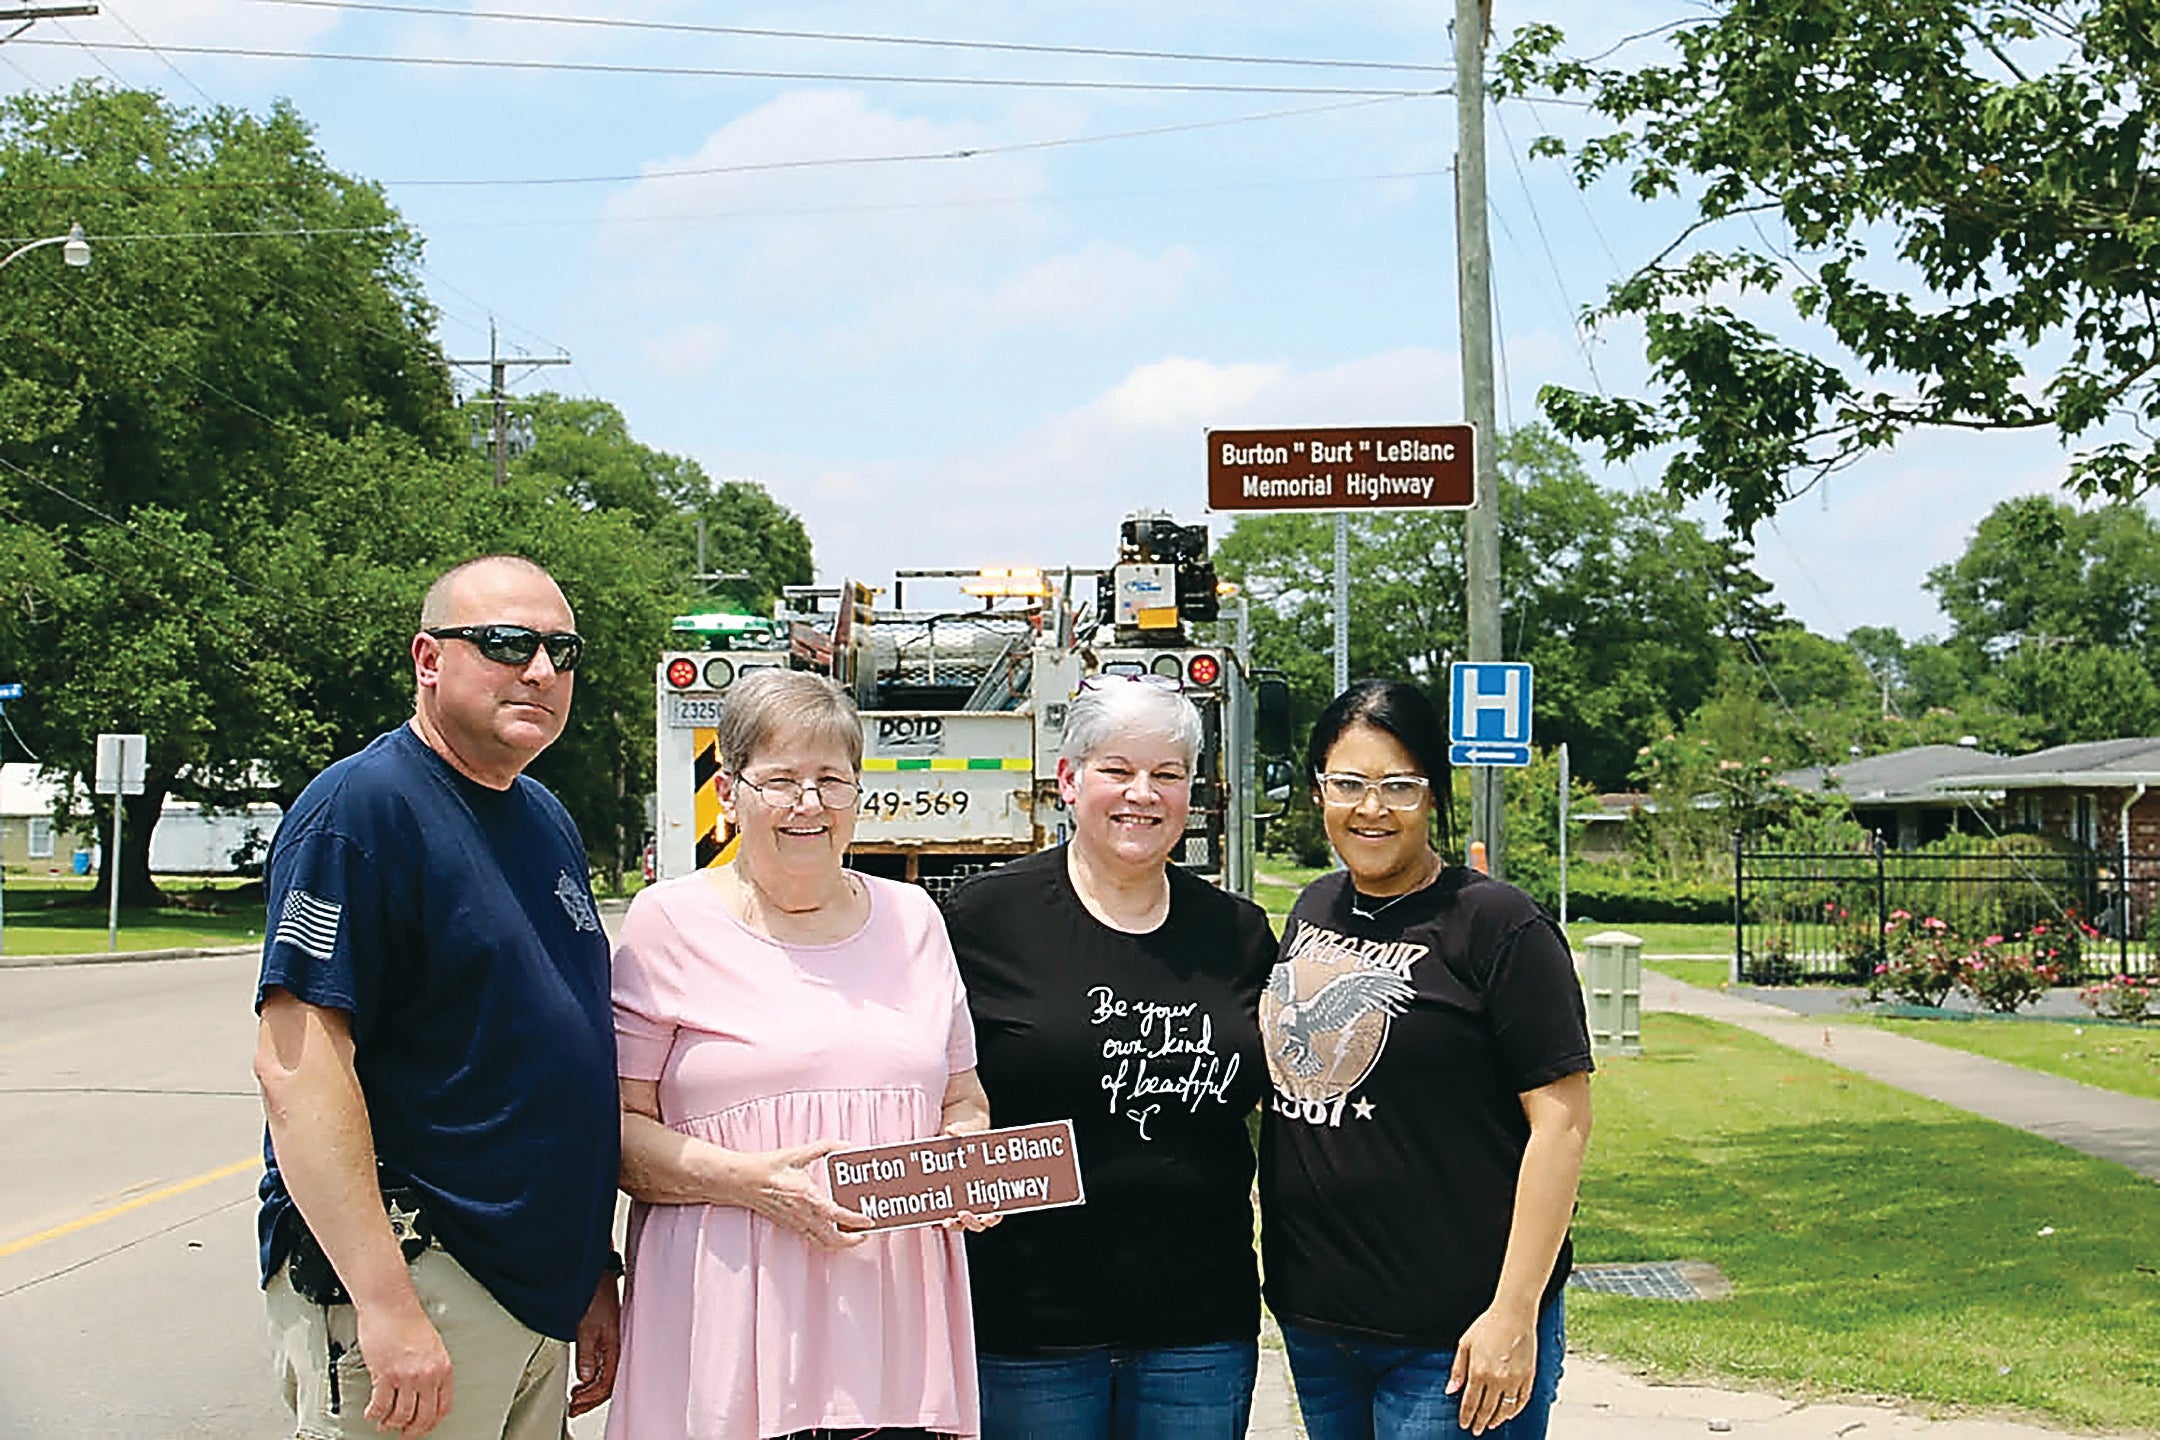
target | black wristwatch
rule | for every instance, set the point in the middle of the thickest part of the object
(613, 1265)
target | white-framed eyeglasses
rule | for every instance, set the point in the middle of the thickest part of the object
(785, 792)
(1397, 792)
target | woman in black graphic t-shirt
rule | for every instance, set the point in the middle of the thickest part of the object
(1420, 1154)
(1113, 989)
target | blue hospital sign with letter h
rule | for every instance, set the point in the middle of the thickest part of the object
(1489, 713)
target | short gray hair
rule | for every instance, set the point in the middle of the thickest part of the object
(765, 705)
(1111, 706)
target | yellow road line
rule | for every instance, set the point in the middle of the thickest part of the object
(110, 1212)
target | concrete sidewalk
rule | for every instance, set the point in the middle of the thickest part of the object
(2101, 1123)
(1603, 1401)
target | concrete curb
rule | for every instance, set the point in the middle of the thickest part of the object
(114, 957)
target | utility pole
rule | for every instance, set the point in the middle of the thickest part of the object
(498, 367)
(1342, 602)
(1473, 282)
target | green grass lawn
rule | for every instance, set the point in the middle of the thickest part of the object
(1661, 938)
(55, 915)
(1279, 889)
(2113, 1057)
(1709, 974)
(1878, 1243)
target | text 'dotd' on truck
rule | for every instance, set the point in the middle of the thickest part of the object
(963, 678)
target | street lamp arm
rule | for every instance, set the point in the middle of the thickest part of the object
(76, 251)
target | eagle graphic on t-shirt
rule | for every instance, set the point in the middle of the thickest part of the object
(1324, 1016)
(1331, 1009)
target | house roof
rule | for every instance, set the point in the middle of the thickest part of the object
(2098, 764)
(1922, 775)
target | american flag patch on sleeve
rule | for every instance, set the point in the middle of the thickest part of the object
(309, 924)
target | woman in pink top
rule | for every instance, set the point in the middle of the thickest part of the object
(766, 1013)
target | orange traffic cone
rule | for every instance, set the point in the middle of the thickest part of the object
(1478, 862)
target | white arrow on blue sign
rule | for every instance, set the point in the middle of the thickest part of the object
(11, 692)
(1489, 713)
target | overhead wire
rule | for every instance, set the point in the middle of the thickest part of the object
(185, 78)
(750, 32)
(595, 67)
(69, 37)
(748, 167)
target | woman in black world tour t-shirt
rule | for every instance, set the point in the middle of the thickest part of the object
(1119, 992)
(1420, 1154)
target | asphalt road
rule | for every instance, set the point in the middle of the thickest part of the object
(129, 1129)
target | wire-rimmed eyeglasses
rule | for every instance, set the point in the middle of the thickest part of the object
(785, 792)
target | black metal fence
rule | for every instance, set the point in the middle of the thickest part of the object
(1801, 915)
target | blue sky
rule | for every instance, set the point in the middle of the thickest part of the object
(989, 360)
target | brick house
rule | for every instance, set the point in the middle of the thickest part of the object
(2102, 794)
(2104, 797)
(1908, 796)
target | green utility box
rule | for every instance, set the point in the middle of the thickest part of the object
(1612, 988)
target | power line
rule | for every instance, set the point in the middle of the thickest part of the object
(307, 231)
(185, 78)
(591, 67)
(748, 167)
(1008, 47)
(765, 212)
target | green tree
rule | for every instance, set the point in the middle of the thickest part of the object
(159, 416)
(2040, 571)
(615, 520)
(1943, 189)
(584, 451)
(1621, 602)
(230, 467)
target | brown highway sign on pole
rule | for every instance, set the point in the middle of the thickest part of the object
(1384, 467)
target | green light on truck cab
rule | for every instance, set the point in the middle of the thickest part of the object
(725, 630)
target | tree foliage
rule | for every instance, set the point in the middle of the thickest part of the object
(1623, 604)
(1963, 187)
(231, 463)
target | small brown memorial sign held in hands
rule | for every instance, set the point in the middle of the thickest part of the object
(1373, 467)
(992, 1172)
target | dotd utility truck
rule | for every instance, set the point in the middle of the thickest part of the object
(963, 704)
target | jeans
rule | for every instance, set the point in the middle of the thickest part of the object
(1351, 1389)
(1185, 1392)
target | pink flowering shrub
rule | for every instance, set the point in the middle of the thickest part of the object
(2123, 997)
(1924, 960)
(1921, 959)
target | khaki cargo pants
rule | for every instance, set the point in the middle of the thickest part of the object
(507, 1382)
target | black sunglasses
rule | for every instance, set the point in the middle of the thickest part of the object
(515, 644)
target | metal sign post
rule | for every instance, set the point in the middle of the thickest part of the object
(7, 692)
(1340, 470)
(121, 761)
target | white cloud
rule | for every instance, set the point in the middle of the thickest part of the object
(1083, 291)
(807, 228)
(1054, 494)
(1858, 553)
(849, 265)
(687, 351)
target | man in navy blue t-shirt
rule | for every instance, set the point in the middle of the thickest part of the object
(437, 1055)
